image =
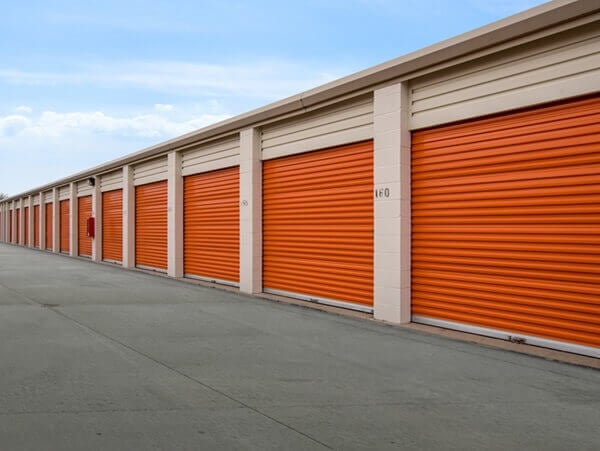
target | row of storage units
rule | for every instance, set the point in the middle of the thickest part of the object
(469, 196)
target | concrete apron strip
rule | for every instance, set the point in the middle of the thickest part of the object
(114, 341)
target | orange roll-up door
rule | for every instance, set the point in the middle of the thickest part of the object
(151, 225)
(36, 226)
(26, 219)
(65, 239)
(506, 222)
(18, 220)
(10, 226)
(318, 224)
(112, 225)
(84, 210)
(212, 225)
(48, 226)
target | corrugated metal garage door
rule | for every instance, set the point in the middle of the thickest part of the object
(506, 223)
(36, 226)
(112, 226)
(84, 210)
(212, 225)
(64, 226)
(26, 218)
(318, 225)
(48, 226)
(151, 225)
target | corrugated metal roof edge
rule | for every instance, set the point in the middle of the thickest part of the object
(535, 19)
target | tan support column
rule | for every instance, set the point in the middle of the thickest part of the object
(97, 215)
(30, 225)
(175, 215)
(55, 221)
(21, 222)
(128, 218)
(250, 212)
(13, 238)
(392, 204)
(42, 222)
(73, 220)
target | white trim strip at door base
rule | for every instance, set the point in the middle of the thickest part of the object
(150, 268)
(510, 336)
(212, 280)
(318, 300)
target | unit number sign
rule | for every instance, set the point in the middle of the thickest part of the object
(382, 193)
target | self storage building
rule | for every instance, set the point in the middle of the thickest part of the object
(457, 186)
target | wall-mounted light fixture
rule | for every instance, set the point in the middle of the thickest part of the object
(92, 181)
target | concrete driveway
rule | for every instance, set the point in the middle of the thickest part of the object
(95, 357)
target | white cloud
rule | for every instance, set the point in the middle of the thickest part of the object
(264, 79)
(23, 109)
(13, 125)
(163, 107)
(55, 124)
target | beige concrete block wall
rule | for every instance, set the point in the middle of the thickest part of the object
(391, 198)
(128, 218)
(250, 211)
(97, 214)
(174, 215)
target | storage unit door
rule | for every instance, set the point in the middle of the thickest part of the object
(10, 226)
(36, 226)
(151, 225)
(318, 225)
(112, 225)
(212, 225)
(26, 219)
(48, 226)
(18, 221)
(506, 224)
(84, 210)
(64, 226)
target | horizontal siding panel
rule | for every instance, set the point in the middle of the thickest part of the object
(111, 181)
(36, 199)
(563, 66)
(345, 123)
(212, 156)
(506, 222)
(64, 193)
(150, 171)
(84, 188)
(48, 197)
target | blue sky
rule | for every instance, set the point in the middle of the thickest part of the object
(85, 82)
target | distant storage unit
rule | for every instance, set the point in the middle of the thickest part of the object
(65, 236)
(151, 226)
(84, 212)
(112, 226)
(457, 186)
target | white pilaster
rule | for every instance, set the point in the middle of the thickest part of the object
(250, 212)
(21, 222)
(73, 220)
(55, 221)
(128, 218)
(42, 222)
(13, 238)
(30, 225)
(97, 215)
(392, 204)
(175, 215)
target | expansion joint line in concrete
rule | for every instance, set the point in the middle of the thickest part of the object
(164, 365)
